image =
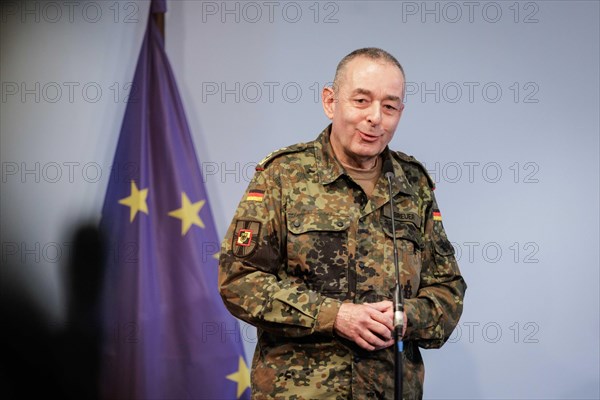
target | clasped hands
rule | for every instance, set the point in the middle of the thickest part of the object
(369, 325)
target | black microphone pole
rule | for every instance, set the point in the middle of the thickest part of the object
(388, 170)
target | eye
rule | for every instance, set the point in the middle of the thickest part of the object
(392, 107)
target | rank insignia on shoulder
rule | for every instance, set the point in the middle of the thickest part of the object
(437, 215)
(255, 195)
(245, 238)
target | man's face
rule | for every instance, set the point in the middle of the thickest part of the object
(365, 110)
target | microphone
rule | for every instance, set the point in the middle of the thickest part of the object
(388, 168)
(388, 172)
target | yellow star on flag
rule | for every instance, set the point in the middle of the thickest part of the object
(242, 377)
(188, 213)
(136, 201)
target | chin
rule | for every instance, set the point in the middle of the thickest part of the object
(369, 152)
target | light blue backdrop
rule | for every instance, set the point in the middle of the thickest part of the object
(502, 107)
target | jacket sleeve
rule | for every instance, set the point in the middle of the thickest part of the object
(434, 312)
(253, 281)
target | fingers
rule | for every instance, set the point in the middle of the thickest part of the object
(364, 324)
(373, 342)
(386, 308)
(384, 318)
(382, 306)
(377, 339)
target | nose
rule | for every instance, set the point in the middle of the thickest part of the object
(374, 114)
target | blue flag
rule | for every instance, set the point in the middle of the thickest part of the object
(167, 332)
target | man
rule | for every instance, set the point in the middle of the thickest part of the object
(308, 258)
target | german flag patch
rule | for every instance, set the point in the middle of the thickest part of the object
(255, 195)
(437, 215)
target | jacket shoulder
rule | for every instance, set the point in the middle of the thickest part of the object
(296, 148)
(413, 169)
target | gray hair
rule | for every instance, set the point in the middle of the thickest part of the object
(373, 53)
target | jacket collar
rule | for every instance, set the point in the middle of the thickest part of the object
(330, 168)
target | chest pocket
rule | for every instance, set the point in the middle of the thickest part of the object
(407, 226)
(317, 246)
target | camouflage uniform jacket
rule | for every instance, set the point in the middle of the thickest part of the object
(304, 239)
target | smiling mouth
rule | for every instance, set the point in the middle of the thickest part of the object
(368, 137)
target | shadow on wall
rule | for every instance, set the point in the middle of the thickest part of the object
(36, 360)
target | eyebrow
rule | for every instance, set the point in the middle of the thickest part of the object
(369, 93)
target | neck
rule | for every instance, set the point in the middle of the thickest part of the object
(363, 163)
(366, 178)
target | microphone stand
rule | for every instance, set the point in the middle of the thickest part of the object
(398, 300)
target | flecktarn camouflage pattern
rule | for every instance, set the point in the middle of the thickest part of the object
(306, 238)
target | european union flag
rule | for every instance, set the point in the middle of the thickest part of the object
(168, 334)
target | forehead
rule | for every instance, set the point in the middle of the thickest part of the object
(372, 75)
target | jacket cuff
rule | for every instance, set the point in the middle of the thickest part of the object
(326, 317)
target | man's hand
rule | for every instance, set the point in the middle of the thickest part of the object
(369, 325)
(387, 307)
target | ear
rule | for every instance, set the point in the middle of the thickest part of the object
(328, 101)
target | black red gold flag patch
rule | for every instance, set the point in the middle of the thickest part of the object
(437, 216)
(246, 237)
(255, 195)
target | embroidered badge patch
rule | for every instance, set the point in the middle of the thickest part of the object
(245, 239)
(437, 216)
(255, 195)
